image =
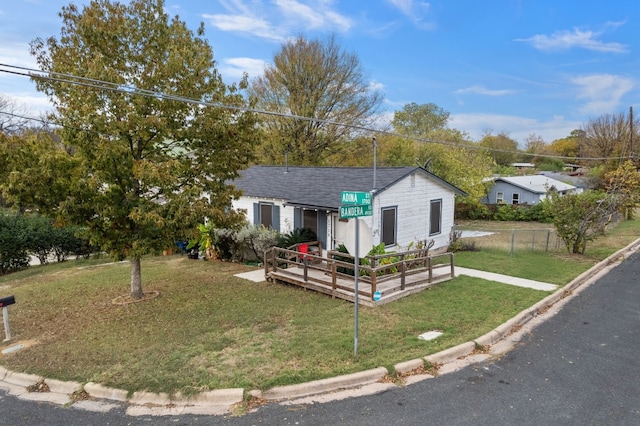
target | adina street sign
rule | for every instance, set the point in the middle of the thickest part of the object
(354, 197)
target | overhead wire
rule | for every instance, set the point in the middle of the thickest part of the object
(133, 90)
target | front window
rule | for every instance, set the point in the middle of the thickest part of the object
(389, 226)
(515, 199)
(266, 215)
(435, 219)
(499, 197)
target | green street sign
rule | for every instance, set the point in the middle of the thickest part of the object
(348, 212)
(354, 197)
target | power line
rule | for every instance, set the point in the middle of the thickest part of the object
(133, 90)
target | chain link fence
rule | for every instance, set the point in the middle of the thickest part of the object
(539, 239)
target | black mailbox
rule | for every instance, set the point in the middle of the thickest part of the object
(6, 301)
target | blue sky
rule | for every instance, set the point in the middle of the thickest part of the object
(522, 67)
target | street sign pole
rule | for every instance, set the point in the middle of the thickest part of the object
(356, 273)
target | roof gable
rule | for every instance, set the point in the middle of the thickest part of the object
(321, 187)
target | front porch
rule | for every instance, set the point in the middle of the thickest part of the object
(392, 276)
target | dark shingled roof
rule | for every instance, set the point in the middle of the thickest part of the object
(321, 187)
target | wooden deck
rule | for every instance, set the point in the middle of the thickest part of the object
(410, 274)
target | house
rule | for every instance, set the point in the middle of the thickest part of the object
(409, 204)
(525, 189)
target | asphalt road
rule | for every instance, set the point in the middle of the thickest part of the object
(580, 367)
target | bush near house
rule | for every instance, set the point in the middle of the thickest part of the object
(503, 212)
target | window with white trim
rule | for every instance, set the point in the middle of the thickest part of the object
(435, 217)
(389, 226)
(499, 197)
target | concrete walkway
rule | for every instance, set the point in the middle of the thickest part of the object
(258, 276)
(506, 279)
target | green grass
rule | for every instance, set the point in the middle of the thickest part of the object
(211, 330)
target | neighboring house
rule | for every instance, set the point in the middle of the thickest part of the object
(409, 205)
(525, 189)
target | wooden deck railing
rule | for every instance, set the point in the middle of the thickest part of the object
(392, 273)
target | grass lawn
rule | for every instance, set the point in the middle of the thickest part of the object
(211, 330)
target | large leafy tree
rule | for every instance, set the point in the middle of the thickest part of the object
(420, 120)
(501, 147)
(446, 152)
(318, 80)
(148, 167)
(625, 183)
(581, 218)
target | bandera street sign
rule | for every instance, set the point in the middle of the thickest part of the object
(348, 212)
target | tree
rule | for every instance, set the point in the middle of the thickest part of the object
(149, 168)
(12, 116)
(320, 81)
(454, 159)
(608, 138)
(625, 183)
(566, 147)
(580, 218)
(465, 167)
(501, 147)
(419, 120)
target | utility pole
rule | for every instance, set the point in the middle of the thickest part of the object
(631, 133)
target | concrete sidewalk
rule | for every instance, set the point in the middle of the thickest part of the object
(258, 276)
(506, 279)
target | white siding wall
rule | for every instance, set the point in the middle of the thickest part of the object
(286, 212)
(412, 196)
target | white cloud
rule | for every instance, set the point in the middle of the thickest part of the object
(244, 24)
(602, 92)
(481, 90)
(17, 54)
(375, 85)
(577, 38)
(518, 128)
(234, 67)
(417, 11)
(280, 19)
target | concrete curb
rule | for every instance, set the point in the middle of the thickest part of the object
(324, 385)
(96, 390)
(451, 353)
(404, 367)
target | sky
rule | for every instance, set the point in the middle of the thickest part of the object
(522, 67)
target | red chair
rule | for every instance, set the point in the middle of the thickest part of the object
(304, 249)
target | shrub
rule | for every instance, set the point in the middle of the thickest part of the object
(252, 241)
(297, 236)
(13, 243)
(456, 243)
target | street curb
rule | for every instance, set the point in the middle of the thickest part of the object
(22, 379)
(66, 388)
(451, 353)
(404, 367)
(324, 385)
(96, 390)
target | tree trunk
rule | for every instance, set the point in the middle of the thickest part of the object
(136, 279)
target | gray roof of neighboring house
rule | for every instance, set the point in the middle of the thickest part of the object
(321, 187)
(536, 183)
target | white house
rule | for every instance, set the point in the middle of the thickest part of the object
(530, 189)
(409, 204)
